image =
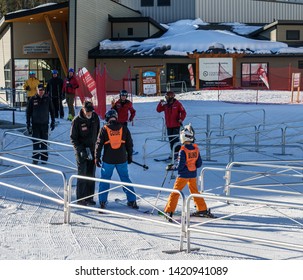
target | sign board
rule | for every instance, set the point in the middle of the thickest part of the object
(215, 72)
(295, 84)
(42, 47)
(149, 82)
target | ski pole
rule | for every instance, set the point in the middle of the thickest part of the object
(145, 167)
(152, 212)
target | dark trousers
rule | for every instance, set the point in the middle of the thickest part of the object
(85, 168)
(173, 137)
(40, 131)
(59, 111)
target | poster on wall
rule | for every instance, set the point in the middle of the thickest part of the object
(215, 72)
(42, 47)
(149, 82)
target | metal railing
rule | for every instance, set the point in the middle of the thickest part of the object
(72, 204)
(257, 203)
(24, 150)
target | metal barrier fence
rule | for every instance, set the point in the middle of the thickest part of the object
(24, 150)
(258, 203)
(29, 167)
(72, 204)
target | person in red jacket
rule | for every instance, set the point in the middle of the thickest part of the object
(69, 89)
(174, 116)
(124, 108)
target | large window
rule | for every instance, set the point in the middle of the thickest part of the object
(163, 2)
(147, 3)
(42, 67)
(251, 74)
(292, 35)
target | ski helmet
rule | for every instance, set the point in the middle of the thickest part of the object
(123, 92)
(187, 134)
(54, 72)
(111, 114)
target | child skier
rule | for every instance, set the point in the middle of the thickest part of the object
(189, 159)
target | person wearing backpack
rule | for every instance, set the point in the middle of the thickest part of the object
(116, 142)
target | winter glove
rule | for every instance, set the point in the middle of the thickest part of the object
(113, 102)
(163, 102)
(170, 167)
(52, 126)
(89, 154)
(98, 162)
(130, 119)
(27, 88)
(129, 159)
(29, 130)
(69, 85)
(83, 154)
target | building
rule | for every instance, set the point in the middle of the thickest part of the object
(71, 34)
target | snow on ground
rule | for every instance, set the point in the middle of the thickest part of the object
(32, 228)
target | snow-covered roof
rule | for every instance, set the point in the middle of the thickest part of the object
(184, 36)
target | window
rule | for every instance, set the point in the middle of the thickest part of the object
(163, 3)
(147, 3)
(300, 64)
(42, 67)
(292, 35)
(130, 31)
(250, 76)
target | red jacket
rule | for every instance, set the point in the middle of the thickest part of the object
(122, 109)
(70, 85)
(174, 113)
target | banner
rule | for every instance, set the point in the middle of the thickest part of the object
(214, 72)
(263, 76)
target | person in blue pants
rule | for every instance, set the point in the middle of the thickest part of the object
(116, 142)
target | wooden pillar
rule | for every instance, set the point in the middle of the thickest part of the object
(56, 45)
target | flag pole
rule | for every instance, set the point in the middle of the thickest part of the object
(218, 83)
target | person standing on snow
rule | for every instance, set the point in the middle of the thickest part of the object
(175, 114)
(69, 89)
(54, 90)
(31, 85)
(117, 143)
(38, 110)
(124, 108)
(189, 160)
(84, 131)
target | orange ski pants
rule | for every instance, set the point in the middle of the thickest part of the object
(180, 183)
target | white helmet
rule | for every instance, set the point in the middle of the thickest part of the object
(187, 134)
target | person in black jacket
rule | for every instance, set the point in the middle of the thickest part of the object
(83, 135)
(54, 90)
(38, 110)
(116, 140)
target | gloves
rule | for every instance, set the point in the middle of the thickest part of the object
(170, 167)
(69, 85)
(130, 119)
(113, 102)
(98, 162)
(129, 159)
(27, 88)
(83, 154)
(29, 130)
(52, 126)
(163, 102)
(89, 154)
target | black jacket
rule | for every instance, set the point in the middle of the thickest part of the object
(39, 109)
(54, 87)
(114, 156)
(84, 132)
